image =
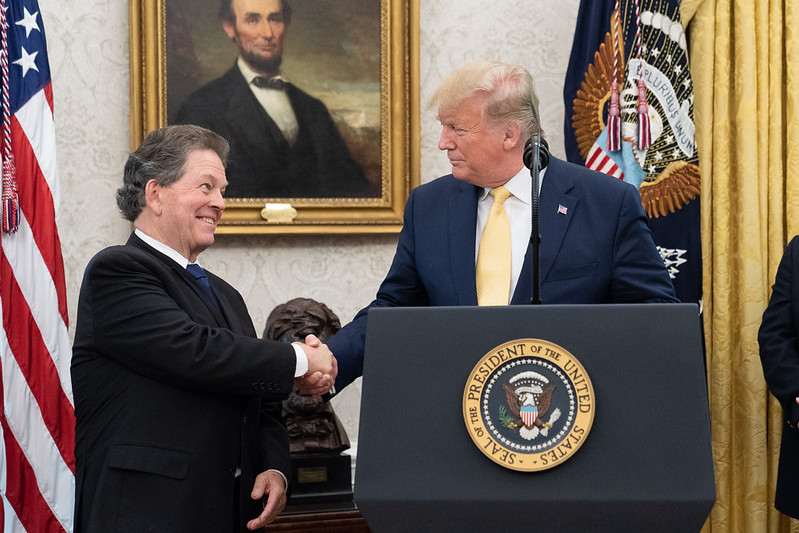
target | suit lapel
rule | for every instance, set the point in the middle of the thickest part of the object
(245, 114)
(524, 286)
(227, 317)
(462, 219)
(185, 280)
(556, 210)
(218, 311)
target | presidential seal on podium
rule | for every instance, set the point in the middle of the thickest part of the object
(528, 405)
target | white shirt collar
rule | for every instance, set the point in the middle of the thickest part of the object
(520, 185)
(163, 248)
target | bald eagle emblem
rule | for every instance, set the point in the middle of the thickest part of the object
(529, 396)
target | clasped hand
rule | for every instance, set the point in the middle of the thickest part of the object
(322, 368)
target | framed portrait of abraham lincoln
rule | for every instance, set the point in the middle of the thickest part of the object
(319, 100)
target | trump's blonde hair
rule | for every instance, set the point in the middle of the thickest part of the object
(509, 90)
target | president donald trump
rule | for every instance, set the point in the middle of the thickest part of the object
(466, 235)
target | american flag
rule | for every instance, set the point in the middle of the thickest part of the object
(37, 422)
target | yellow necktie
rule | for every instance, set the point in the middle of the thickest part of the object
(494, 256)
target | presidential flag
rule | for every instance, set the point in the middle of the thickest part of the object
(629, 113)
(37, 422)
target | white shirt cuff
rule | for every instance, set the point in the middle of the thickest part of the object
(285, 480)
(302, 361)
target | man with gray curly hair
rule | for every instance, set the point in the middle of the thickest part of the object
(596, 246)
(177, 402)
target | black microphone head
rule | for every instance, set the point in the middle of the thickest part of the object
(543, 153)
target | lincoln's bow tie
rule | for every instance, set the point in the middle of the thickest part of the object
(275, 82)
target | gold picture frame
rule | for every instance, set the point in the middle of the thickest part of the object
(399, 111)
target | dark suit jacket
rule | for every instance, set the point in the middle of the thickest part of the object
(600, 251)
(779, 354)
(172, 396)
(261, 163)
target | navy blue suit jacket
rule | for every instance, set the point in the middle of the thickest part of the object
(599, 251)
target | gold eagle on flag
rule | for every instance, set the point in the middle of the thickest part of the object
(666, 171)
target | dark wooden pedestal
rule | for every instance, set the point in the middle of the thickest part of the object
(342, 518)
(342, 522)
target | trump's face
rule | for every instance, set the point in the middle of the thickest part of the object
(259, 32)
(475, 148)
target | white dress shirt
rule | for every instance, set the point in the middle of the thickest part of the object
(518, 206)
(276, 103)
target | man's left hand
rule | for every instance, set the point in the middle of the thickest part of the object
(270, 486)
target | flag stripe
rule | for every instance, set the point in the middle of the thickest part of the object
(8, 517)
(36, 121)
(25, 498)
(25, 424)
(41, 296)
(27, 347)
(36, 199)
(599, 160)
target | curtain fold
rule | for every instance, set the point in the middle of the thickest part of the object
(744, 60)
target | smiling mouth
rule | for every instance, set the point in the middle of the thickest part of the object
(208, 220)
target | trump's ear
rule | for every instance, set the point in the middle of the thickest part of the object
(513, 133)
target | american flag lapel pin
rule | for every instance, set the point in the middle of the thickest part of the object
(562, 209)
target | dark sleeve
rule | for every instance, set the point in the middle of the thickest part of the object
(274, 438)
(135, 311)
(777, 337)
(639, 275)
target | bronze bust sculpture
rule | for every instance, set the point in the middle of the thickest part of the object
(313, 426)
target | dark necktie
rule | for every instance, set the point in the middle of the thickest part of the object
(202, 280)
(269, 83)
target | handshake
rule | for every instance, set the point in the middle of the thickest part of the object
(322, 368)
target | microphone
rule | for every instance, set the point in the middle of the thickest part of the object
(536, 157)
(543, 152)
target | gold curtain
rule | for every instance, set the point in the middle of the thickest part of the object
(744, 62)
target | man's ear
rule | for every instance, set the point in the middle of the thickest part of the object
(513, 133)
(230, 28)
(152, 196)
